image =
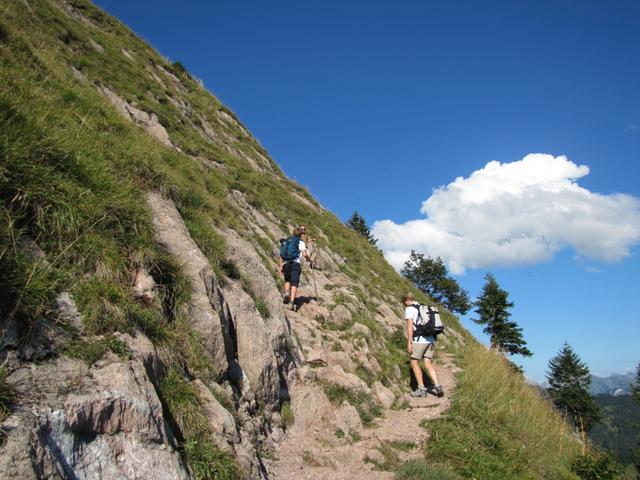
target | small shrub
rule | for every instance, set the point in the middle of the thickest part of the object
(88, 350)
(424, 470)
(120, 348)
(339, 433)
(596, 465)
(208, 461)
(288, 419)
(403, 446)
(230, 270)
(262, 308)
(3, 34)
(6, 393)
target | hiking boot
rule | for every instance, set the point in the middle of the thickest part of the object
(437, 390)
(419, 392)
(294, 307)
(286, 298)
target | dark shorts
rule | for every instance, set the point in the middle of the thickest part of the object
(292, 273)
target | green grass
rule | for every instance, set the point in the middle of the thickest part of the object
(286, 413)
(498, 426)
(206, 460)
(426, 470)
(6, 393)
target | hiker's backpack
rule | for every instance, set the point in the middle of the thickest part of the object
(290, 249)
(428, 323)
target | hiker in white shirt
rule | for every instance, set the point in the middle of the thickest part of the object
(419, 347)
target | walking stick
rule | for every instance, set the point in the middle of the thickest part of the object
(313, 276)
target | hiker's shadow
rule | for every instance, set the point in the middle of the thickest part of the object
(303, 300)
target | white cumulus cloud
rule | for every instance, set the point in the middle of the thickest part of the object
(515, 213)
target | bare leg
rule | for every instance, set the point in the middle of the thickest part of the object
(287, 287)
(294, 290)
(417, 371)
(431, 370)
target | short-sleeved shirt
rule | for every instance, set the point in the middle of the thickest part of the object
(411, 313)
(303, 248)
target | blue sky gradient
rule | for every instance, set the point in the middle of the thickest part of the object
(373, 104)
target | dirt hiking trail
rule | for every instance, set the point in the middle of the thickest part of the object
(318, 450)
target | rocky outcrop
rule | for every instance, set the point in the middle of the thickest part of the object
(106, 422)
(148, 121)
(206, 305)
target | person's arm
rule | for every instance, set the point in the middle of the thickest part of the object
(409, 335)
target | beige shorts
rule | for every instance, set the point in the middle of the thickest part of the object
(422, 350)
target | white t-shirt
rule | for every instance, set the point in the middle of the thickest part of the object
(303, 248)
(411, 313)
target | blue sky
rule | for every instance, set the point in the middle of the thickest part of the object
(373, 105)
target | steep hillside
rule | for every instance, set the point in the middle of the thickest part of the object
(143, 333)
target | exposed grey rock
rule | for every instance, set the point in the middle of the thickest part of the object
(243, 254)
(127, 54)
(309, 405)
(68, 312)
(347, 419)
(337, 376)
(343, 359)
(375, 456)
(316, 356)
(206, 304)
(268, 222)
(384, 395)
(105, 423)
(255, 347)
(123, 401)
(360, 329)
(144, 286)
(148, 121)
(220, 420)
(340, 315)
(96, 45)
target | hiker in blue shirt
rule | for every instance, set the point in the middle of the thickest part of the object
(291, 252)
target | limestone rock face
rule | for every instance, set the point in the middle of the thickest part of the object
(110, 427)
(123, 401)
(148, 121)
(384, 395)
(221, 421)
(255, 352)
(342, 359)
(347, 419)
(309, 405)
(337, 376)
(205, 305)
(340, 315)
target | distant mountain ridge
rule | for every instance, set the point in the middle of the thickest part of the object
(614, 384)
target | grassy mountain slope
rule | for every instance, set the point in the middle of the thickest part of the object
(91, 119)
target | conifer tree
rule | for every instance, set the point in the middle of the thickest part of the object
(492, 307)
(635, 388)
(569, 380)
(358, 223)
(431, 276)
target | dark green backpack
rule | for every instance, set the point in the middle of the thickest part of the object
(290, 249)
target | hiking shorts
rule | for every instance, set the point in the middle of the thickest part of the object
(292, 273)
(423, 350)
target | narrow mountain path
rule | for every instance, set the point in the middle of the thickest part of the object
(317, 452)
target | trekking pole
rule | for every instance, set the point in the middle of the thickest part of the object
(313, 276)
